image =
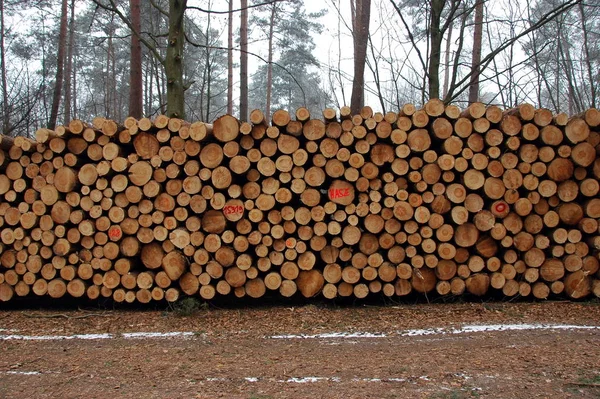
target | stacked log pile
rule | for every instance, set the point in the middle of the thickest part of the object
(435, 200)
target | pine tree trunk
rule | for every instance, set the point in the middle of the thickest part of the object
(62, 39)
(360, 31)
(135, 69)
(69, 67)
(435, 34)
(447, 60)
(174, 60)
(477, 35)
(6, 108)
(270, 64)
(244, 61)
(230, 59)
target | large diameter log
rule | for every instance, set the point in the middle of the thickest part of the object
(226, 128)
(570, 213)
(578, 285)
(341, 192)
(214, 221)
(235, 277)
(65, 179)
(152, 255)
(140, 173)
(310, 282)
(146, 145)
(255, 288)
(419, 140)
(314, 129)
(423, 280)
(6, 292)
(552, 270)
(88, 174)
(466, 235)
(560, 169)
(189, 284)
(577, 130)
(478, 284)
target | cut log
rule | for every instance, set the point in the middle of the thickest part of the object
(226, 128)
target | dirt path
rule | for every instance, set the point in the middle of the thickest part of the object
(424, 351)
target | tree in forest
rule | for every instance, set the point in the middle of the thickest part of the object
(172, 61)
(69, 81)
(294, 85)
(288, 79)
(135, 64)
(104, 68)
(476, 56)
(565, 58)
(433, 20)
(58, 82)
(206, 99)
(361, 14)
(230, 58)
(18, 92)
(244, 60)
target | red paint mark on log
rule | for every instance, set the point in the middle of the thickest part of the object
(233, 209)
(339, 193)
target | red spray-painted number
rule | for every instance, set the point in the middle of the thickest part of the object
(233, 210)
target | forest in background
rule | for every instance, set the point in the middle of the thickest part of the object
(65, 59)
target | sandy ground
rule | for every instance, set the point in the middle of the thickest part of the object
(498, 350)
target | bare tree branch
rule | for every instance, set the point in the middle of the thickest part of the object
(236, 10)
(198, 45)
(126, 21)
(410, 36)
(546, 18)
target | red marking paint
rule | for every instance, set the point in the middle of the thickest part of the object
(289, 243)
(501, 207)
(115, 233)
(339, 193)
(233, 210)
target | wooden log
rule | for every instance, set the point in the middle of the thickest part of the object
(478, 284)
(577, 285)
(423, 280)
(466, 235)
(226, 128)
(577, 130)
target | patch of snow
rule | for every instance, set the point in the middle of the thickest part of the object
(304, 380)
(520, 327)
(421, 332)
(333, 335)
(310, 379)
(493, 328)
(157, 334)
(134, 335)
(54, 337)
(22, 372)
